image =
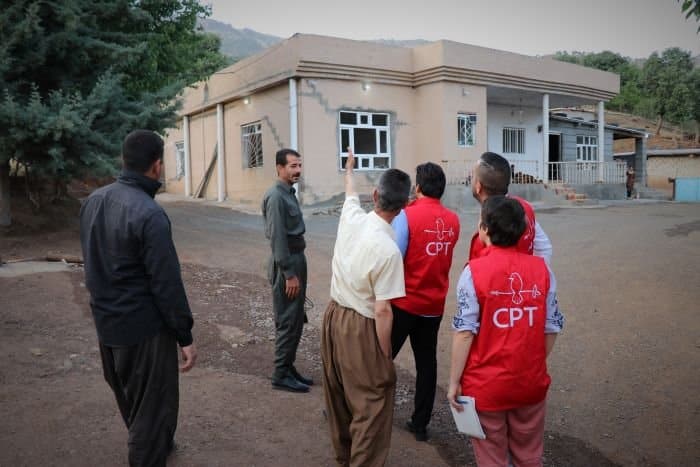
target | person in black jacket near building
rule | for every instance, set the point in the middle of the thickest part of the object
(137, 298)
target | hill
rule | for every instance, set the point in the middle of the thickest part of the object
(670, 137)
(241, 43)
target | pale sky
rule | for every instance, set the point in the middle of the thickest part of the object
(633, 28)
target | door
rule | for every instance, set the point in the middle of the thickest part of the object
(554, 157)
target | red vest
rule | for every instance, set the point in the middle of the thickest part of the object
(433, 231)
(507, 365)
(527, 240)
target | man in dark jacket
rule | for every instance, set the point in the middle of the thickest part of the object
(137, 298)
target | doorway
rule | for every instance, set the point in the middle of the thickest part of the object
(554, 157)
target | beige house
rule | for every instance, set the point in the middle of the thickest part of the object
(444, 102)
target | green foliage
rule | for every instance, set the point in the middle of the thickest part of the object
(615, 63)
(666, 78)
(695, 90)
(77, 75)
(666, 86)
(691, 8)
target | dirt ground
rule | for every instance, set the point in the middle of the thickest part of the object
(626, 372)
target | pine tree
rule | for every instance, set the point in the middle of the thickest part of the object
(77, 75)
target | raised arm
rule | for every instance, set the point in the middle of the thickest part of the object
(349, 166)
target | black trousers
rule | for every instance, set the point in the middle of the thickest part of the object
(289, 316)
(144, 378)
(423, 332)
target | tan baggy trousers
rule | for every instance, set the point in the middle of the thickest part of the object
(358, 386)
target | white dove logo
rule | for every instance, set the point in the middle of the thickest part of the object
(440, 230)
(441, 234)
(516, 289)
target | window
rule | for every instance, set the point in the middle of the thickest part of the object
(466, 130)
(368, 136)
(179, 159)
(251, 143)
(586, 148)
(514, 140)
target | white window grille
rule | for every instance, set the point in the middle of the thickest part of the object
(179, 159)
(251, 145)
(514, 140)
(368, 134)
(586, 148)
(466, 130)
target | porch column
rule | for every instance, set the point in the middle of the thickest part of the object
(293, 116)
(545, 137)
(601, 141)
(220, 153)
(293, 122)
(640, 161)
(186, 142)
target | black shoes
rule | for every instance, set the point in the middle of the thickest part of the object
(421, 434)
(302, 379)
(289, 383)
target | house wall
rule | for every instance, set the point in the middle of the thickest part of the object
(173, 184)
(244, 185)
(423, 128)
(202, 145)
(569, 131)
(661, 168)
(270, 108)
(454, 102)
(501, 116)
(320, 102)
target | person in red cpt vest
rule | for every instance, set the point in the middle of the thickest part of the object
(491, 176)
(506, 323)
(426, 233)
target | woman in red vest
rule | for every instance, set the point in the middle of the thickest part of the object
(506, 323)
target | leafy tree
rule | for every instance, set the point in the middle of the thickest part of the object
(77, 75)
(662, 88)
(666, 79)
(569, 57)
(691, 8)
(629, 95)
(606, 61)
(695, 93)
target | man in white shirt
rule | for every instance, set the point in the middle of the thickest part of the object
(367, 272)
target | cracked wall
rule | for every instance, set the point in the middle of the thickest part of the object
(422, 128)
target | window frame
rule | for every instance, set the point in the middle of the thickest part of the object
(515, 139)
(365, 161)
(586, 148)
(246, 153)
(471, 120)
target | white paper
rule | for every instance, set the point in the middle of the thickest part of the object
(467, 420)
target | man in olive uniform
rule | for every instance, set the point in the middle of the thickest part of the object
(284, 227)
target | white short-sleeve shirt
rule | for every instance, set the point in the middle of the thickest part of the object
(367, 265)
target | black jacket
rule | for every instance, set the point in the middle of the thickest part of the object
(131, 266)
